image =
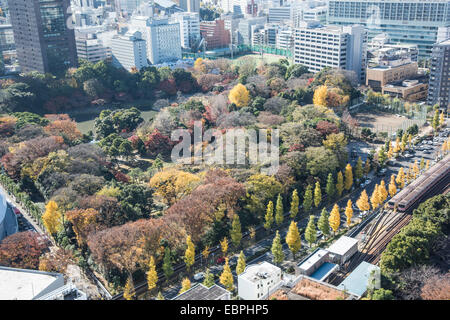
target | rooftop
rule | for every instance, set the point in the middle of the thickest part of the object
(358, 281)
(201, 292)
(22, 284)
(257, 272)
(312, 260)
(342, 245)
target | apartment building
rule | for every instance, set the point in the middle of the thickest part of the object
(405, 21)
(439, 86)
(342, 47)
(214, 34)
(189, 28)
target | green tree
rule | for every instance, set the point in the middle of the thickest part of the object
(235, 232)
(359, 171)
(340, 184)
(159, 296)
(240, 267)
(330, 188)
(293, 238)
(323, 224)
(277, 249)
(308, 199)
(317, 195)
(269, 216)
(435, 122)
(294, 204)
(167, 263)
(209, 279)
(279, 213)
(311, 232)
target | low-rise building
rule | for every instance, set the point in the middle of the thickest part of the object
(343, 249)
(379, 76)
(365, 276)
(201, 292)
(23, 284)
(258, 281)
(409, 90)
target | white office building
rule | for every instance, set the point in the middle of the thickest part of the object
(189, 28)
(339, 47)
(246, 27)
(162, 38)
(280, 15)
(406, 21)
(258, 281)
(285, 39)
(90, 49)
(129, 51)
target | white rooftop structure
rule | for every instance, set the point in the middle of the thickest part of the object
(22, 284)
(258, 281)
(314, 259)
(257, 272)
(343, 245)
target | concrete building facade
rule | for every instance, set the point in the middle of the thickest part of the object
(43, 40)
(439, 86)
(406, 21)
(129, 51)
(318, 47)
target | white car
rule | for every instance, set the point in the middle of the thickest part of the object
(199, 276)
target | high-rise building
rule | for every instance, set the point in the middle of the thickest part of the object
(90, 48)
(246, 26)
(339, 47)
(190, 5)
(44, 41)
(162, 37)
(6, 38)
(189, 28)
(405, 21)
(439, 86)
(129, 51)
(214, 34)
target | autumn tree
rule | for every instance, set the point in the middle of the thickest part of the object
(400, 179)
(294, 204)
(293, 239)
(152, 275)
(349, 212)
(236, 232)
(330, 188)
(308, 199)
(320, 96)
(382, 190)
(279, 212)
(392, 186)
(323, 224)
(317, 195)
(185, 285)
(83, 222)
(240, 267)
(437, 288)
(427, 166)
(422, 163)
(335, 218)
(52, 218)
(367, 167)
(129, 293)
(375, 198)
(277, 249)
(226, 278)
(239, 95)
(348, 177)
(311, 232)
(363, 201)
(173, 184)
(340, 184)
(189, 255)
(269, 216)
(21, 250)
(224, 246)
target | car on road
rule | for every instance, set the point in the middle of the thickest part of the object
(220, 260)
(199, 276)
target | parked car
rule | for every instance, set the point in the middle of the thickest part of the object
(199, 276)
(220, 260)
